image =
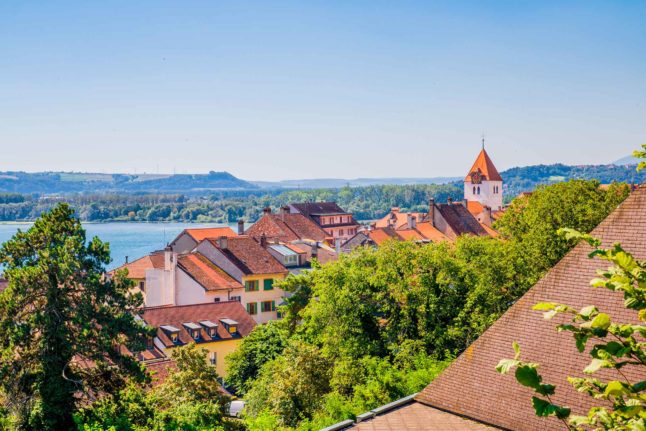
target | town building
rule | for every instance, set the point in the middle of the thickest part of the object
(217, 327)
(286, 227)
(471, 396)
(188, 239)
(168, 278)
(339, 224)
(483, 184)
(249, 263)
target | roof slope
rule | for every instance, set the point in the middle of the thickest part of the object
(137, 268)
(245, 253)
(471, 387)
(215, 311)
(207, 274)
(485, 167)
(460, 220)
(310, 208)
(198, 234)
(287, 228)
(398, 219)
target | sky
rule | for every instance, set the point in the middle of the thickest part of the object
(271, 90)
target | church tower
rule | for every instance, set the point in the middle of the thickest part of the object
(483, 183)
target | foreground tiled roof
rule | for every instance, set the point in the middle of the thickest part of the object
(485, 167)
(472, 388)
(286, 228)
(416, 416)
(137, 268)
(460, 220)
(381, 234)
(178, 315)
(198, 234)
(204, 272)
(430, 232)
(249, 256)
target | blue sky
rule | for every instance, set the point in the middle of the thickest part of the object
(279, 90)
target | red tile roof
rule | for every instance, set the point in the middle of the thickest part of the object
(178, 315)
(472, 388)
(416, 416)
(430, 232)
(381, 234)
(198, 234)
(484, 167)
(244, 252)
(397, 219)
(137, 268)
(160, 370)
(207, 274)
(286, 228)
(475, 207)
(460, 220)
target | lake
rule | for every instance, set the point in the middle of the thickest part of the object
(126, 239)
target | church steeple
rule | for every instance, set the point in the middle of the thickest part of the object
(483, 183)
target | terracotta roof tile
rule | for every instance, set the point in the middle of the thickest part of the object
(398, 219)
(430, 232)
(178, 315)
(198, 234)
(137, 268)
(475, 207)
(416, 416)
(460, 219)
(286, 228)
(484, 167)
(471, 387)
(381, 234)
(207, 274)
(244, 252)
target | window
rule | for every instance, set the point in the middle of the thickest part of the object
(474, 190)
(266, 306)
(235, 298)
(216, 299)
(142, 286)
(478, 189)
(340, 232)
(213, 358)
(251, 286)
(268, 284)
(252, 308)
(150, 343)
(291, 259)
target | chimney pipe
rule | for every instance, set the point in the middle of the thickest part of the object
(240, 227)
(465, 202)
(223, 242)
(449, 200)
(126, 259)
(431, 211)
(266, 210)
(263, 241)
(315, 250)
(284, 210)
(411, 221)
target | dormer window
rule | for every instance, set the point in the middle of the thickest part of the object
(210, 327)
(193, 330)
(172, 333)
(150, 343)
(230, 325)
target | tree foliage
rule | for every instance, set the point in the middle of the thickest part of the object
(61, 320)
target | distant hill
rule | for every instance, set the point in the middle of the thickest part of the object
(628, 160)
(333, 183)
(527, 178)
(72, 182)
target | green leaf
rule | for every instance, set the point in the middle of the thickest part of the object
(615, 388)
(595, 365)
(516, 347)
(545, 408)
(588, 311)
(505, 365)
(544, 306)
(601, 321)
(545, 389)
(527, 375)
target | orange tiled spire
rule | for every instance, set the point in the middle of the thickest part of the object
(483, 167)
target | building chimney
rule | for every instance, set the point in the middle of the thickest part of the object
(266, 210)
(223, 242)
(240, 227)
(170, 259)
(263, 241)
(431, 211)
(284, 210)
(465, 202)
(411, 221)
(337, 246)
(126, 260)
(449, 201)
(315, 250)
(487, 218)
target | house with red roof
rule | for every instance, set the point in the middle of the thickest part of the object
(338, 223)
(286, 227)
(188, 239)
(250, 264)
(168, 278)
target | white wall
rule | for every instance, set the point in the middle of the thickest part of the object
(159, 288)
(487, 196)
(183, 244)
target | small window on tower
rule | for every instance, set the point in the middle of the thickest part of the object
(478, 189)
(474, 190)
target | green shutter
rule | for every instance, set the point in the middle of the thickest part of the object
(273, 305)
(269, 284)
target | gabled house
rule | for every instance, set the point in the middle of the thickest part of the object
(286, 227)
(168, 278)
(471, 395)
(249, 263)
(188, 239)
(217, 327)
(339, 224)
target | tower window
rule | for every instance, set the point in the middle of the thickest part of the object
(478, 189)
(474, 190)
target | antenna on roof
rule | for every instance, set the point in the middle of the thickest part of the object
(483, 140)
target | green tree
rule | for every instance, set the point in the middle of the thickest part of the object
(617, 345)
(62, 321)
(262, 345)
